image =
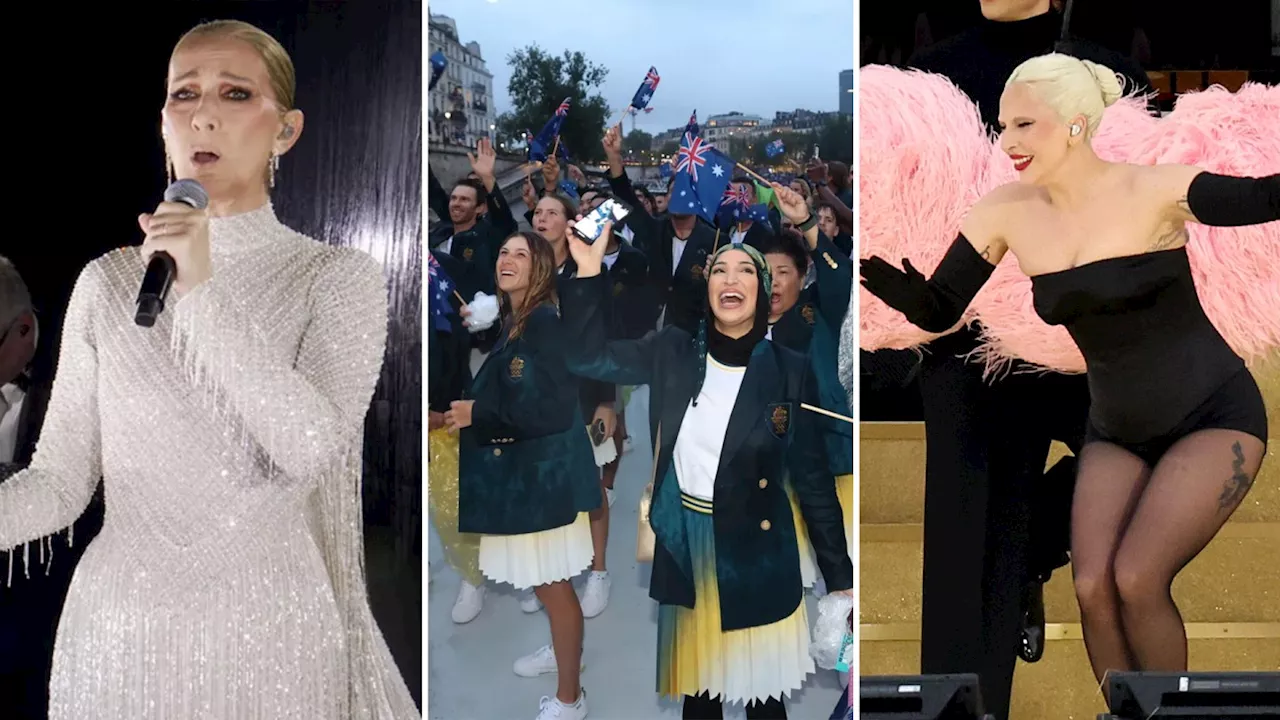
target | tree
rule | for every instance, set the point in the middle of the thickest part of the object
(539, 82)
(835, 139)
(637, 141)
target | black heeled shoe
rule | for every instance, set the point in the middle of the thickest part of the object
(1031, 634)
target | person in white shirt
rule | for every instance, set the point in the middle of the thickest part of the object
(18, 332)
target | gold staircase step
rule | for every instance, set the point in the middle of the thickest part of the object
(1061, 686)
(891, 465)
(891, 475)
(1235, 579)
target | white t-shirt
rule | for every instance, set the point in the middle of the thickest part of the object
(446, 247)
(11, 399)
(611, 258)
(677, 252)
(701, 440)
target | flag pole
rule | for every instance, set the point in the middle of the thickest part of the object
(621, 117)
(555, 146)
(828, 413)
(752, 173)
(716, 246)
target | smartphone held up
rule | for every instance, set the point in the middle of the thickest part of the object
(590, 227)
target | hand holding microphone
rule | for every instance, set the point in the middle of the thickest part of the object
(176, 248)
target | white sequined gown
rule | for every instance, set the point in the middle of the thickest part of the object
(228, 579)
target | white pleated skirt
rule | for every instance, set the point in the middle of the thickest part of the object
(540, 558)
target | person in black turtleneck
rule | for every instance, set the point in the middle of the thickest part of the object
(987, 442)
(725, 405)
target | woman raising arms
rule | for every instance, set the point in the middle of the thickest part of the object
(1177, 428)
(725, 409)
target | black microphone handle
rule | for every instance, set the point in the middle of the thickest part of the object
(156, 284)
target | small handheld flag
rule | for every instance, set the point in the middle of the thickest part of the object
(438, 64)
(440, 287)
(647, 87)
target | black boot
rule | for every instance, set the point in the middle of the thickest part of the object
(1031, 648)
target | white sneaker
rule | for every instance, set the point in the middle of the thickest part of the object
(540, 662)
(595, 596)
(469, 603)
(609, 495)
(550, 708)
(530, 602)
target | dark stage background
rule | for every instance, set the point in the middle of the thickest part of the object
(84, 151)
(1161, 35)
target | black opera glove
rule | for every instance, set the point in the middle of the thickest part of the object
(935, 304)
(907, 292)
(1225, 201)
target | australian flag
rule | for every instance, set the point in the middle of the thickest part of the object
(702, 175)
(440, 287)
(539, 146)
(438, 64)
(774, 149)
(645, 93)
(733, 206)
(664, 170)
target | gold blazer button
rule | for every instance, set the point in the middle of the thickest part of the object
(763, 483)
(765, 525)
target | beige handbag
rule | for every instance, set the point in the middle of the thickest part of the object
(645, 538)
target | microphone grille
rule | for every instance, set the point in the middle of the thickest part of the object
(187, 191)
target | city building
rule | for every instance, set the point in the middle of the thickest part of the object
(800, 120)
(720, 128)
(846, 92)
(461, 104)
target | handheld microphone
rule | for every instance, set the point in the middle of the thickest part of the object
(158, 279)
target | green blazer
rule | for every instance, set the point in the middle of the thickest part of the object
(769, 441)
(525, 464)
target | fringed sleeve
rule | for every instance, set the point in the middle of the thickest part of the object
(56, 488)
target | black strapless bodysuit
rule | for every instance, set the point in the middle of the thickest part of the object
(1158, 370)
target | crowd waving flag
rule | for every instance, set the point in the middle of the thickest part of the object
(539, 146)
(647, 87)
(441, 285)
(774, 149)
(702, 176)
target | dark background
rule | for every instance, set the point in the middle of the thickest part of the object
(1189, 35)
(84, 151)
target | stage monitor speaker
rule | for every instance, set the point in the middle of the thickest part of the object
(1142, 695)
(920, 697)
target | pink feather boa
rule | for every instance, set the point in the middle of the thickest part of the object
(925, 159)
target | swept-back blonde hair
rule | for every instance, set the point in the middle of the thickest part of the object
(1071, 86)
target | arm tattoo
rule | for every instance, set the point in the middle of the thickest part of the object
(1233, 492)
(986, 253)
(1176, 237)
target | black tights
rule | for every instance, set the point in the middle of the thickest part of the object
(1133, 529)
(704, 707)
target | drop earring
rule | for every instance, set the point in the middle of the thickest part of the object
(272, 167)
(168, 165)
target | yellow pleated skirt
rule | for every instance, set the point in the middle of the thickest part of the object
(844, 489)
(808, 558)
(461, 550)
(696, 656)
